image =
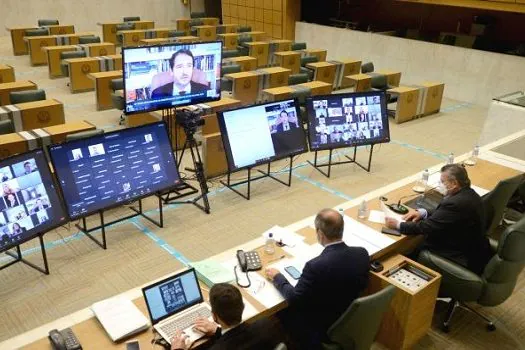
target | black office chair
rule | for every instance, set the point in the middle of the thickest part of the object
(193, 32)
(123, 26)
(6, 127)
(176, 33)
(230, 68)
(84, 134)
(197, 14)
(196, 22)
(27, 96)
(66, 55)
(298, 46)
(131, 19)
(304, 61)
(231, 53)
(88, 39)
(367, 67)
(36, 32)
(244, 29)
(299, 78)
(116, 99)
(47, 22)
(241, 44)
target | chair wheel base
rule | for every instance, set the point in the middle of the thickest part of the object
(445, 328)
(491, 327)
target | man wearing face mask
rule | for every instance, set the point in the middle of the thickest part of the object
(455, 229)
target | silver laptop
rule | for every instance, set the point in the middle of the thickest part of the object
(176, 303)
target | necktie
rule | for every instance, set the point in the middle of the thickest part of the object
(182, 93)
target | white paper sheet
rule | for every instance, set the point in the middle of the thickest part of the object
(390, 214)
(368, 234)
(264, 291)
(480, 191)
(377, 216)
(295, 262)
(280, 234)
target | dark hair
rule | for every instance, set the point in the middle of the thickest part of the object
(226, 302)
(28, 163)
(332, 226)
(181, 52)
(457, 172)
(283, 111)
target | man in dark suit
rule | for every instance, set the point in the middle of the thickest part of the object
(285, 123)
(228, 332)
(327, 286)
(181, 64)
(455, 230)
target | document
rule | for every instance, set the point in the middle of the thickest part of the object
(377, 216)
(280, 234)
(390, 214)
(366, 234)
(264, 291)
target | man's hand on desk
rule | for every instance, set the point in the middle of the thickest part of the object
(205, 326)
(392, 223)
(271, 273)
(178, 342)
(413, 215)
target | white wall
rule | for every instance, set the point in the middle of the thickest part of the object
(469, 75)
(85, 14)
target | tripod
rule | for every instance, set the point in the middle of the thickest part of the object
(187, 189)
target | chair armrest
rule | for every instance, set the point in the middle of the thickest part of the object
(457, 282)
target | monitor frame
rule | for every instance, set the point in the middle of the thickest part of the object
(197, 101)
(226, 143)
(60, 203)
(123, 203)
(331, 146)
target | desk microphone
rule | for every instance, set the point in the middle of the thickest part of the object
(399, 208)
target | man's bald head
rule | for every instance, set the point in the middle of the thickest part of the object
(330, 223)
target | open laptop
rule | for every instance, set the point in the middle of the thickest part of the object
(176, 303)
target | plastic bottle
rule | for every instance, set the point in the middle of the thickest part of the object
(341, 212)
(362, 212)
(424, 177)
(269, 247)
(450, 159)
(475, 154)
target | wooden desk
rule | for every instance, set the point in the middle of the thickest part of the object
(34, 115)
(278, 45)
(14, 143)
(281, 93)
(259, 50)
(407, 103)
(57, 134)
(211, 125)
(247, 63)
(206, 32)
(61, 29)
(6, 88)
(186, 39)
(227, 28)
(37, 55)
(7, 73)
(229, 40)
(79, 68)
(245, 86)
(319, 53)
(109, 30)
(210, 21)
(393, 77)
(433, 97)
(102, 87)
(323, 71)
(255, 35)
(344, 68)
(289, 59)
(183, 24)
(134, 37)
(17, 40)
(156, 41)
(360, 82)
(276, 76)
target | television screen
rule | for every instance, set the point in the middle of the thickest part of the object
(261, 133)
(164, 76)
(107, 170)
(344, 120)
(29, 204)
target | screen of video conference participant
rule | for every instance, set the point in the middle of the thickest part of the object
(158, 77)
(103, 171)
(29, 204)
(343, 120)
(261, 133)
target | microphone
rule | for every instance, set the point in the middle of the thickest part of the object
(399, 208)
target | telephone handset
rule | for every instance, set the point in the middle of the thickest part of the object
(64, 340)
(249, 261)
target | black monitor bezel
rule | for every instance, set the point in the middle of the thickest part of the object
(165, 280)
(197, 101)
(328, 146)
(60, 204)
(226, 141)
(128, 201)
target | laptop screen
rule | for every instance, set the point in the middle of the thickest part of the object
(172, 295)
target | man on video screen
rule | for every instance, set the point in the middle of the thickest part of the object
(181, 64)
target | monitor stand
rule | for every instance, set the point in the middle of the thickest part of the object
(19, 258)
(351, 160)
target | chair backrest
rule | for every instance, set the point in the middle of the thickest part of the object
(27, 96)
(125, 26)
(131, 19)
(308, 59)
(244, 39)
(116, 84)
(379, 81)
(298, 46)
(502, 271)
(231, 68)
(196, 22)
(175, 33)
(244, 29)
(88, 39)
(84, 134)
(197, 14)
(6, 127)
(193, 31)
(367, 67)
(36, 32)
(47, 22)
(230, 53)
(72, 54)
(280, 346)
(301, 93)
(367, 312)
(496, 201)
(299, 78)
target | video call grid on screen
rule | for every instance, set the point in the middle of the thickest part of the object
(103, 171)
(262, 133)
(29, 203)
(151, 84)
(343, 120)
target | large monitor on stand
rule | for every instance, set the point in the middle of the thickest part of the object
(346, 120)
(109, 170)
(261, 134)
(29, 205)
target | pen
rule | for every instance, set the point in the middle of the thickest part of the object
(278, 258)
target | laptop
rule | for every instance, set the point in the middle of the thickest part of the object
(175, 303)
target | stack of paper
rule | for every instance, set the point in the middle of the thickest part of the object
(211, 272)
(120, 317)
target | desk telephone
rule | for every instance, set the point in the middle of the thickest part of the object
(64, 340)
(249, 261)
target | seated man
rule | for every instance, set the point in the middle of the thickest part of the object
(455, 230)
(226, 308)
(181, 64)
(328, 285)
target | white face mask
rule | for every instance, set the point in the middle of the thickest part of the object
(442, 188)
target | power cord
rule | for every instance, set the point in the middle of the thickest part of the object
(237, 278)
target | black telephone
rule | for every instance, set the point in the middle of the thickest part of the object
(249, 261)
(64, 340)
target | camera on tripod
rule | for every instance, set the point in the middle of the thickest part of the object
(189, 120)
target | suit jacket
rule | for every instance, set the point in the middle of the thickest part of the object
(455, 231)
(328, 285)
(280, 126)
(166, 90)
(254, 336)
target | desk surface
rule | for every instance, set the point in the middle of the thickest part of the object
(402, 89)
(287, 53)
(37, 104)
(107, 74)
(273, 70)
(320, 65)
(16, 84)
